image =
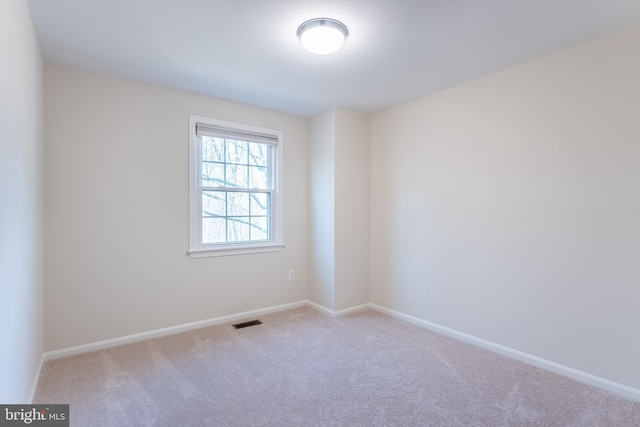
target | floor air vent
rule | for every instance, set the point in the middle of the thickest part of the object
(247, 324)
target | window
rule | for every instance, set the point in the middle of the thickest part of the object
(235, 199)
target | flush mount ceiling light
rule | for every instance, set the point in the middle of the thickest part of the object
(322, 36)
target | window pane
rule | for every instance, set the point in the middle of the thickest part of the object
(213, 230)
(237, 204)
(237, 229)
(259, 204)
(237, 152)
(212, 174)
(258, 154)
(260, 228)
(258, 178)
(213, 203)
(212, 149)
(237, 176)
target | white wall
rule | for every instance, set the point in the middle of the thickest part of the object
(21, 202)
(117, 213)
(322, 170)
(339, 209)
(352, 208)
(508, 208)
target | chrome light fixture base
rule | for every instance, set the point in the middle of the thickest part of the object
(322, 36)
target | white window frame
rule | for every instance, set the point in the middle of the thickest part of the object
(196, 248)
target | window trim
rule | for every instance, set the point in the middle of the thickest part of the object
(196, 248)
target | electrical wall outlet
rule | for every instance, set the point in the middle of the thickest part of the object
(292, 275)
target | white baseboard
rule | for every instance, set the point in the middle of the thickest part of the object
(338, 313)
(351, 310)
(100, 345)
(321, 308)
(583, 377)
(36, 378)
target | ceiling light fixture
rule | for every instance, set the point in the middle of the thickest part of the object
(322, 36)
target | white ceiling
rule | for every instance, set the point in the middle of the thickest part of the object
(247, 50)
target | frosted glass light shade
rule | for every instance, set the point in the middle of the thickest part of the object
(322, 36)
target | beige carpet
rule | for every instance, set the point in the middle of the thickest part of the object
(302, 368)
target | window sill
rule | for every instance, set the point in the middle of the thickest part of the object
(235, 250)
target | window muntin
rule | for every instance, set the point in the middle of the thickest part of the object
(235, 199)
